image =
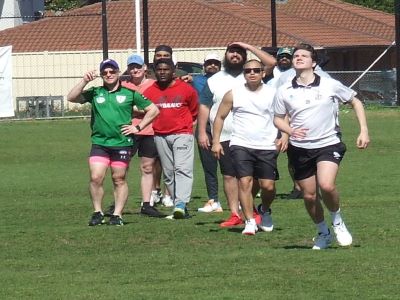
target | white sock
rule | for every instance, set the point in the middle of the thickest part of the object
(336, 217)
(322, 228)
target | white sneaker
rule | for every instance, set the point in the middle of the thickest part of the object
(343, 236)
(155, 197)
(167, 201)
(250, 228)
(211, 206)
(322, 241)
(266, 221)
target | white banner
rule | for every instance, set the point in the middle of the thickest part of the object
(6, 99)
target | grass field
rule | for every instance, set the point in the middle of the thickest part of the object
(48, 251)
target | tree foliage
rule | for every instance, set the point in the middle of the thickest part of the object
(383, 5)
(55, 5)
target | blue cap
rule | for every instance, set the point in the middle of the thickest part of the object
(135, 59)
(109, 63)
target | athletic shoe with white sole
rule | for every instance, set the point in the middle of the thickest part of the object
(211, 206)
(179, 210)
(116, 221)
(266, 220)
(343, 236)
(250, 228)
(155, 197)
(322, 241)
(167, 201)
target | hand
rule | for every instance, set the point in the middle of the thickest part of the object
(217, 150)
(187, 78)
(363, 141)
(203, 141)
(129, 129)
(299, 133)
(282, 143)
(89, 76)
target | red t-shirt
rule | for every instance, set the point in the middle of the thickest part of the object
(178, 105)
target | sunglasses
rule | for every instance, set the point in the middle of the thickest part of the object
(104, 73)
(212, 62)
(255, 70)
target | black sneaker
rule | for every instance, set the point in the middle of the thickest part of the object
(110, 210)
(115, 220)
(96, 219)
(295, 194)
(150, 211)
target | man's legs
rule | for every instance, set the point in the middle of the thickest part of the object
(146, 182)
(97, 174)
(118, 175)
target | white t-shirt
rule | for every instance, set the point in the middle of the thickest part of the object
(253, 115)
(219, 84)
(315, 107)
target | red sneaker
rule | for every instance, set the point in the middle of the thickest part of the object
(233, 220)
(257, 216)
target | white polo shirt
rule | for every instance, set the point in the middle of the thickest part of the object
(315, 107)
(253, 114)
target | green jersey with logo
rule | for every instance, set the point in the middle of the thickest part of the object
(111, 110)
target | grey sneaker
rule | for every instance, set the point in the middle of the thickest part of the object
(322, 241)
(266, 220)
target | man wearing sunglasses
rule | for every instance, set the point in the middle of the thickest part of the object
(253, 144)
(112, 130)
(210, 99)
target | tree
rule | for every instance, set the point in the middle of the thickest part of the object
(61, 5)
(383, 5)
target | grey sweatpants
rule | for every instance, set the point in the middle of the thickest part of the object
(176, 153)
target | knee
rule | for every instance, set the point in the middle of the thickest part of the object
(327, 187)
(96, 179)
(309, 197)
(146, 168)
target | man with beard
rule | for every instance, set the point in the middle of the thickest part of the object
(210, 99)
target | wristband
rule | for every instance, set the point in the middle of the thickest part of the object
(138, 128)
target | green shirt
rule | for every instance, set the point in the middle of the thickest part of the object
(111, 110)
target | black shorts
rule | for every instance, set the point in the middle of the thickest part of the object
(113, 154)
(304, 161)
(261, 164)
(225, 161)
(146, 146)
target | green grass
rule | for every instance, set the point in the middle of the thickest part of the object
(49, 252)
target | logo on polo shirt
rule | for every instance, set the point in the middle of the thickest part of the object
(100, 99)
(121, 98)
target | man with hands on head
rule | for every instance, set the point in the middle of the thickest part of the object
(112, 130)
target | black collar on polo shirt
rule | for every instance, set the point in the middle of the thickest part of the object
(316, 82)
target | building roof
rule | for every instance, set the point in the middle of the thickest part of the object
(206, 23)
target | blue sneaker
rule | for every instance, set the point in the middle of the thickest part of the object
(179, 210)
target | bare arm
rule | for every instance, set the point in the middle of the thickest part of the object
(282, 123)
(223, 110)
(363, 138)
(74, 94)
(151, 112)
(202, 119)
(268, 60)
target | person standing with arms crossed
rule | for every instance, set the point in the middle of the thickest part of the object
(112, 130)
(315, 147)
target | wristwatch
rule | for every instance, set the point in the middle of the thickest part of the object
(138, 128)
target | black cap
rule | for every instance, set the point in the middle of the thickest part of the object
(166, 61)
(163, 48)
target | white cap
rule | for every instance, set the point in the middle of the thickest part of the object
(212, 56)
